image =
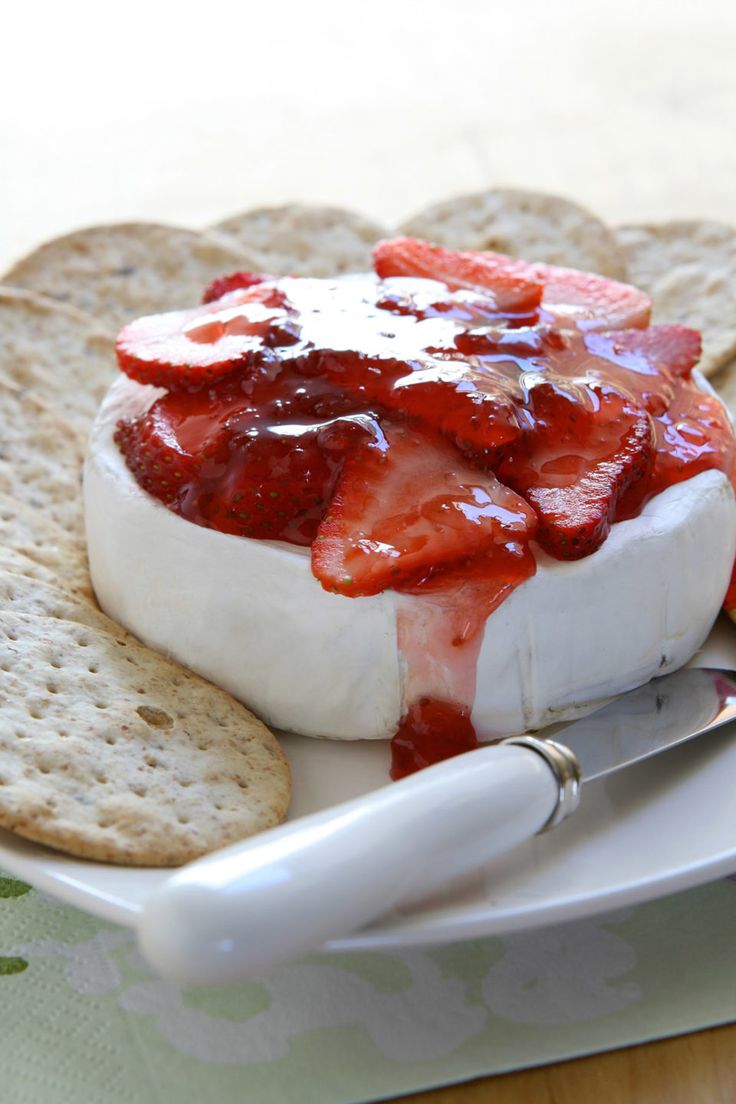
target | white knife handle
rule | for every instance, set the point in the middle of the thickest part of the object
(243, 909)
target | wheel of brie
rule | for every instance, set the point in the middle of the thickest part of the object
(500, 494)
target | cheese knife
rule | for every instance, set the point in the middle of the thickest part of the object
(247, 907)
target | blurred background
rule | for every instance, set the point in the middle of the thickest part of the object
(190, 112)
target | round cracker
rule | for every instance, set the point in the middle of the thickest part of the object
(689, 269)
(123, 270)
(111, 752)
(19, 564)
(21, 594)
(530, 225)
(60, 352)
(30, 534)
(305, 240)
(41, 457)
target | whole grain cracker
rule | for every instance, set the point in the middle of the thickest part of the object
(689, 269)
(29, 532)
(111, 752)
(64, 354)
(21, 594)
(123, 270)
(530, 225)
(40, 457)
(305, 240)
(19, 564)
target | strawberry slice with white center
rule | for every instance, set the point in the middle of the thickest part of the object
(590, 302)
(407, 506)
(182, 350)
(567, 295)
(498, 277)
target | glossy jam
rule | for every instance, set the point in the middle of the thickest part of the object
(431, 731)
(327, 368)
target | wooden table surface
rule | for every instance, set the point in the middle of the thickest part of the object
(694, 1069)
(629, 108)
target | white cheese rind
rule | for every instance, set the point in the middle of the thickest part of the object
(640, 606)
(250, 616)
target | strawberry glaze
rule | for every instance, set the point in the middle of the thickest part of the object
(420, 438)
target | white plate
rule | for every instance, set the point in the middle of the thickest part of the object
(663, 826)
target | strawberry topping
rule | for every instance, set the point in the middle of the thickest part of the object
(230, 461)
(406, 507)
(657, 354)
(590, 302)
(420, 430)
(512, 289)
(183, 350)
(429, 732)
(583, 450)
(236, 280)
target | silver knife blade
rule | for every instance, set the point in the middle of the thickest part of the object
(660, 715)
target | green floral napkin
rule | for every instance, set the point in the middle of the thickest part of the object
(83, 1019)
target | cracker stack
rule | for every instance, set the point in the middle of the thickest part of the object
(108, 750)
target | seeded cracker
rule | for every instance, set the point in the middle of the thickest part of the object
(689, 269)
(41, 458)
(124, 270)
(110, 752)
(305, 240)
(64, 354)
(530, 225)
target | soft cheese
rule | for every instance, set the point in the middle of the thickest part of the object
(250, 616)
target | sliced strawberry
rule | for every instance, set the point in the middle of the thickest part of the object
(234, 281)
(585, 447)
(667, 350)
(692, 432)
(187, 349)
(591, 302)
(585, 299)
(225, 471)
(694, 435)
(496, 276)
(277, 487)
(474, 409)
(154, 455)
(278, 393)
(406, 507)
(468, 307)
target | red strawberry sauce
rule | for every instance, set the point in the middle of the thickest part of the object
(419, 436)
